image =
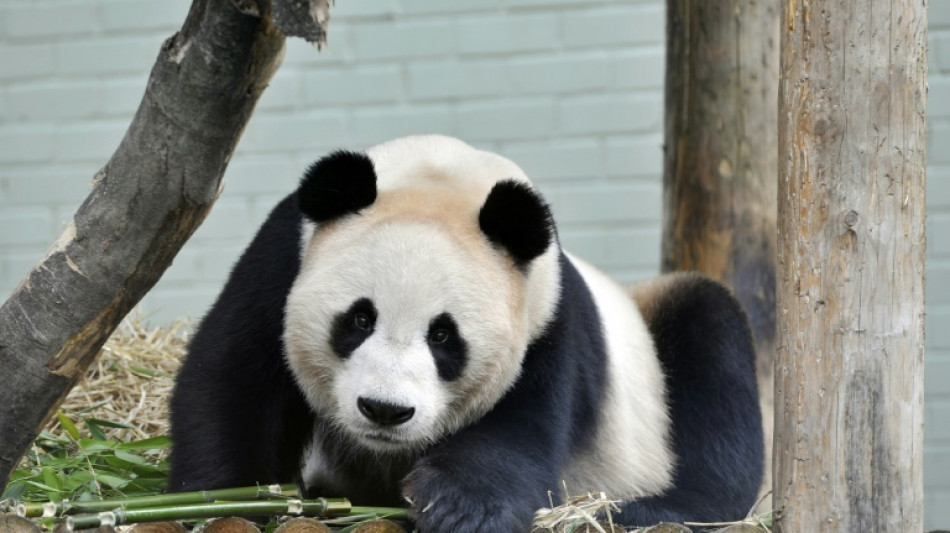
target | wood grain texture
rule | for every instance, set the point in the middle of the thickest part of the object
(849, 368)
(147, 200)
(720, 162)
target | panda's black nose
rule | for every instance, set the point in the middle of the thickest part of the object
(383, 413)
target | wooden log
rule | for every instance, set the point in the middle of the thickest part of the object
(231, 524)
(849, 369)
(147, 200)
(11, 523)
(720, 167)
(302, 525)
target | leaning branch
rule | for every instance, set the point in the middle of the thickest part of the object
(148, 199)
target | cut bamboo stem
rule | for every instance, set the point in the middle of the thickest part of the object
(316, 507)
(47, 509)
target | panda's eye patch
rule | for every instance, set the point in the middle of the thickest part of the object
(447, 346)
(352, 327)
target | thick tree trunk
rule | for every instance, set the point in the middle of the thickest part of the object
(720, 168)
(148, 199)
(849, 369)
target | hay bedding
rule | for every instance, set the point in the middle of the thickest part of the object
(131, 380)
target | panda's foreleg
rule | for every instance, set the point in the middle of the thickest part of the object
(237, 416)
(480, 484)
(234, 424)
(492, 476)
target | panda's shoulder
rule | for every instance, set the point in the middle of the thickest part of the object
(262, 277)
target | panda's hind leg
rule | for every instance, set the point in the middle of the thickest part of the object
(707, 354)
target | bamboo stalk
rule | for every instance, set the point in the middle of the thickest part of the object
(317, 507)
(47, 509)
(399, 513)
(362, 514)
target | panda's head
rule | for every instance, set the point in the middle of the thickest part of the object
(428, 267)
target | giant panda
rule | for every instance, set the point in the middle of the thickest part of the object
(405, 327)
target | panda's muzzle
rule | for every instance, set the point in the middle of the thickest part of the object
(384, 413)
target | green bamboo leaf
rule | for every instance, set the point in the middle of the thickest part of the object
(94, 430)
(148, 470)
(23, 473)
(47, 436)
(110, 424)
(146, 372)
(14, 490)
(92, 446)
(50, 479)
(41, 486)
(72, 484)
(146, 486)
(130, 457)
(93, 407)
(153, 443)
(114, 464)
(113, 482)
(68, 425)
(137, 464)
(80, 476)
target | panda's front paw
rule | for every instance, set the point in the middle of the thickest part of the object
(460, 502)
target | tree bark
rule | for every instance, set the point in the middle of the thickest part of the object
(720, 163)
(849, 374)
(147, 200)
(720, 167)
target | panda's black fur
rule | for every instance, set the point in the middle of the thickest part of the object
(239, 417)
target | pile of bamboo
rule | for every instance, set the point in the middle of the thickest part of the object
(165, 512)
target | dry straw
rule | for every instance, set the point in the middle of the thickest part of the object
(131, 380)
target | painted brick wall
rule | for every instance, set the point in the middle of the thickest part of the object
(937, 384)
(570, 89)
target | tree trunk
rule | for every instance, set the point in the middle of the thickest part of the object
(148, 199)
(720, 168)
(849, 369)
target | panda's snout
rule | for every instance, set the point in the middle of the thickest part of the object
(384, 413)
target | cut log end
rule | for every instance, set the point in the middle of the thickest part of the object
(11, 523)
(159, 527)
(379, 526)
(232, 524)
(302, 525)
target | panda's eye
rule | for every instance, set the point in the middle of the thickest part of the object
(439, 336)
(362, 321)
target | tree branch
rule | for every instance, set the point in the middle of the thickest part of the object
(145, 203)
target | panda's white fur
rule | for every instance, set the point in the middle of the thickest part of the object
(632, 456)
(560, 378)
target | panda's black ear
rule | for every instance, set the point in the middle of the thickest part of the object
(517, 219)
(336, 185)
